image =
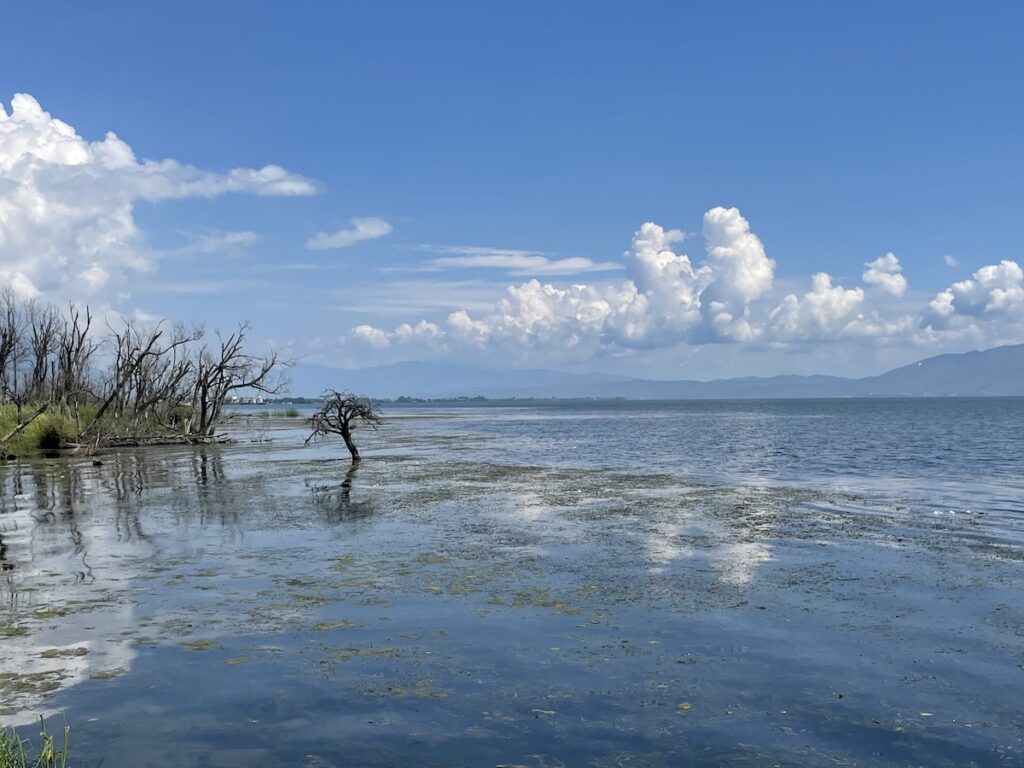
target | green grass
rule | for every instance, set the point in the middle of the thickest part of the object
(54, 428)
(18, 753)
(59, 426)
(291, 413)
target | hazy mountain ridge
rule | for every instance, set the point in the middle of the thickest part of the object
(993, 372)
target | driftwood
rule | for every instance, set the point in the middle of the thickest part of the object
(146, 440)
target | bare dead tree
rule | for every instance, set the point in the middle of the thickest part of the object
(341, 413)
(155, 384)
(132, 348)
(74, 354)
(12, 325)
(161, 384)
(44, 331)
(225, 369)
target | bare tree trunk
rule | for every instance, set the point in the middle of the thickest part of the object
(346, 435)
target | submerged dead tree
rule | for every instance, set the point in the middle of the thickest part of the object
(341, 413)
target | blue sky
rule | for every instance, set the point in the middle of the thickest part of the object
(490, 144)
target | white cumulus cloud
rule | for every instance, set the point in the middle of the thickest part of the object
(886, 273)
(668, 300)
(664, 300)
(823, 312)
(67, 204)
(993, 293)
(361, 230)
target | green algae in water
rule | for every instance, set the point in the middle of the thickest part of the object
(430, 558)
(63, 653)
(13, 630)
(33, 682)
(109, 674)
(327, 626)
(201, 645)
(50, 613)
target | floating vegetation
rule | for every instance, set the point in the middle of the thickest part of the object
(328, 626)
(109, 674)
(12, 630)
(12, 683)
(64, 653)
(201, 645)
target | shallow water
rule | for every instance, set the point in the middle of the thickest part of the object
(608, 584)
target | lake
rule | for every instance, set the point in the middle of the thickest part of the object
(776, 583)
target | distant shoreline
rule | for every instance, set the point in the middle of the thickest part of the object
(506, 401)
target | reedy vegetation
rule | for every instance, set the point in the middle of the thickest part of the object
(63, 380)
(17, 753)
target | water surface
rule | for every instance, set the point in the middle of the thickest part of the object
(607, 584)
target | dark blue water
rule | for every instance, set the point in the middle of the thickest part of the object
(695, 583)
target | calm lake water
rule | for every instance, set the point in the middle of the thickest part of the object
(788, 583)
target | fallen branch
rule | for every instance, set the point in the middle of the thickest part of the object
(141, 442)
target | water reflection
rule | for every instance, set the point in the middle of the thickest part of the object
(62, 619)
(496, 610)
(337, 503)
(77, 538)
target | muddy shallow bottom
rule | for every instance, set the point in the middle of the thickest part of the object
(474, 600)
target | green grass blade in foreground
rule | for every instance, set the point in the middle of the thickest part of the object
(14, 754)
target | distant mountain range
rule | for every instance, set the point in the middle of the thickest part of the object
(993, 372)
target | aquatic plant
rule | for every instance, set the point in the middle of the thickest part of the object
(16, 752)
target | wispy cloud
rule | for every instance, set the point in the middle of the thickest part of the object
(513, 261)
(360, 231)
(950, 261)
(220, 241)
(232, 243)
(411, 296)
(204, 286)
(295, 266)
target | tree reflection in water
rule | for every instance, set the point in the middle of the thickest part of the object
(337, 503)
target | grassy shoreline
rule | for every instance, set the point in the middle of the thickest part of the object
(55, 428)
(60, 427)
